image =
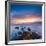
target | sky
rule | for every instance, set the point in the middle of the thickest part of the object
(25, 13)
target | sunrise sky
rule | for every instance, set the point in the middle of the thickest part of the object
(25, 13)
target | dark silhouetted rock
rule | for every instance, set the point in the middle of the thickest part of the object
(29, 29)
(16, 27)
(35, 36)
(27, 36)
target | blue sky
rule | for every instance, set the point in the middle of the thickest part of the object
(21, 10)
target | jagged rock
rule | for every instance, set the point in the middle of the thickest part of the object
(27, 36)
(35, 36)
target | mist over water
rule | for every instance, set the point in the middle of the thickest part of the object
(35, 27)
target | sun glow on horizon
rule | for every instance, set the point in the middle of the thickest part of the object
(25, 20)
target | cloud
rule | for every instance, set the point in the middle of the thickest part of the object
(26, 20)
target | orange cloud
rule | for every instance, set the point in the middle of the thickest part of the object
(25, 20)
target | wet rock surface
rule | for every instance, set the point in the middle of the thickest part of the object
(25, 33)
(26, 36)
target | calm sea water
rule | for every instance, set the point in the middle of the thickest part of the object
(35, 27)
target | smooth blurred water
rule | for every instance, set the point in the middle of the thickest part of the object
(35, 27)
